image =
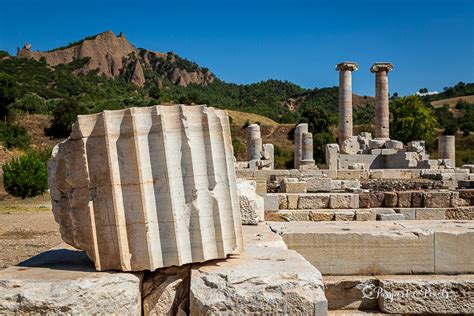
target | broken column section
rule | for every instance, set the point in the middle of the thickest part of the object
(145, 188)
(345, 99)
(447, 147)
(382, 112)
(254, 142)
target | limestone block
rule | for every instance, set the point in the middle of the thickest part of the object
(394, 144)
(271, 202)
(390, 199)
(165, 290)
(314, 184)
(251, 204)
(344, 200)
(408, 213)
(417, 199)
(282, 201)
(361, 248)
(430, 213)
(390, 217)
(364, 200)
(460, 213)
(332, 152)
(376, 143)
(345, 215)
(287, 215)
(313, 201)
(262, 280)
(345, 292)
(365, 215)
(454, 253)
(292, 201)
(63, 281)
(145, 188)
(321, 215)
(350, 184)
(427, 294)
(350, 146)
(437, 199)
(292, 185)
(376, 199)
(404, 199)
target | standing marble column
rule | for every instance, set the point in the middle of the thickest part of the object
(254, 142)
(447, 147)
(382, 112)
(345, 99)
(299, 130)
(307, 150)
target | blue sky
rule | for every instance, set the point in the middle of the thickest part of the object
(430, 43)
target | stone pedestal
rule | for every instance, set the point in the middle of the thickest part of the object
(298, 154)
(254, 142)
(345, 99)
(447, 147)
(269, 154)
(382, 113)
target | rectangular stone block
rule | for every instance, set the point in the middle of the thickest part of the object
(404, 199)
(321, 215)
(345, 215)
(282, 201)
(292, 201)
(454, 251)
(376, 199)
(292, 185)
(344, 200)
(390, 217)
(364, 200)
(430, 213)
(313, 201)
(408, 213)
(437, 199)
(417, 199)
(64, 280)
(271, 202)
(314, 184)
(361, 248)
(344, 292)
(365, 215)
(287, 215)
(390, 199)
(460, 213)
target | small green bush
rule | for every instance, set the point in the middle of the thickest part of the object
(26, 176)
(14, 135)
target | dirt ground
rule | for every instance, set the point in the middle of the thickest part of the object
(27, 227)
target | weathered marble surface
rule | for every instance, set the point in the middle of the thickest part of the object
(145, 188)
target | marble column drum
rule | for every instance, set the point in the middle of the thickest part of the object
(447, 147)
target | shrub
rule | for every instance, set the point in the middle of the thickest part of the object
(64, 115)
(31, 103)
(14, 135)
(26, 176)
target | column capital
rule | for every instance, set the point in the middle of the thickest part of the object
(381, 66)
(347, 65)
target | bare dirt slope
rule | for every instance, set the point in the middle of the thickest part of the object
(452, 101)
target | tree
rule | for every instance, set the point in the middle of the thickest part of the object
(64, 115)
(9, 90)
(412, 120)
(423, 90)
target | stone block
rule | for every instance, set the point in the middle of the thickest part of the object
(282, 201)
(313, 201)
(292, 201)
(426, 294)
(454, 251)
(314, 184)
(417, 199)
(437, 199)
(376, 199)
(292, 185)
(404, 199)
(365, 215)
(350, 184)
(345, 292)
(250, 203)
(390, 199)
(408, 213)
(364, 200)
(460, 213)
(390, 217)
(133, 187)
(271, 202)
(332, 152)
(394, 144)
(263, 280)
(361, 248)
(344, 200)
(321, 215)
(376, 143)
(383, 211)
(345, 215)
(350, 146)
(64, 280)
(430, 213)
(287, 215)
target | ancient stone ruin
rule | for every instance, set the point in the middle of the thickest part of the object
(146, 188)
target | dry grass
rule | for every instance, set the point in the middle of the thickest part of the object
(240, 118)
(452, 101)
